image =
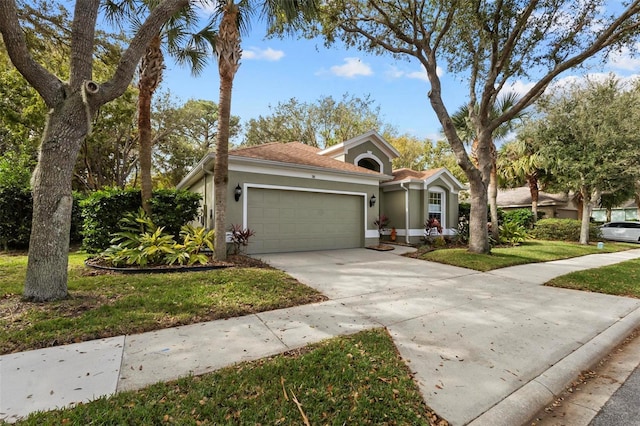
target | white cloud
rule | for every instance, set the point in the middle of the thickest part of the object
(394, 72)
(570, 80)
(624, 60)
(518, 87)
(351, 68)
(267, 54)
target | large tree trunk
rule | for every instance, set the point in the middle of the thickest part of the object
(52, 200)
(588, 202)
(478, 232)
(151, 67)
(228, 54)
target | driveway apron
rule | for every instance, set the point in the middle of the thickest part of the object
(484, 347)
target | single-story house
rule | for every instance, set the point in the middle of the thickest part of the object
(559, 205)
(626, 211)
(296, 197)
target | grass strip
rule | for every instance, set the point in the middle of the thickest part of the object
(109, 305)
(622, 279)
(358, 379)
(528, 252)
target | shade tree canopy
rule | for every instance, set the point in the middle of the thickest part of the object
(490, 46)
(321, 123)
(588, 134)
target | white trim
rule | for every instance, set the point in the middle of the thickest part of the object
(245, 196)
(372, 136)
(374, 180)
(370, 156)
(371, 233)
(443, 206)
(413, 232)
(420, 232)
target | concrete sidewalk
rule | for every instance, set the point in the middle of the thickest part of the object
(485, 348)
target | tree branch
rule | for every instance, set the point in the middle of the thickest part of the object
(46, 84)
(82, 39)
(130, 58)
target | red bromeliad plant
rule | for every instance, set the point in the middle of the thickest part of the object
(381, 222)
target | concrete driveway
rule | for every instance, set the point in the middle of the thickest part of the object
(485, 348)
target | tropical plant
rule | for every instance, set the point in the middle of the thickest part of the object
(240, 237)
(232, 19)
(520, 162)
(381, 222)
(432, 224)
(512, 233)
(140, 243)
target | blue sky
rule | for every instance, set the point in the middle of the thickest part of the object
(276, 70)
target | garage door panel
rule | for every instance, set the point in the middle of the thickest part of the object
(298, 220)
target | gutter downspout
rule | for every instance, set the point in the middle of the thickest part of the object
(205, 172)
(406, 212)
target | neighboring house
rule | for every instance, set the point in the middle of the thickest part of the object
(626, 211)
(551, 205)
(296, 197)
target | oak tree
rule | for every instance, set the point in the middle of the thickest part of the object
(72, 103)
(489, 45)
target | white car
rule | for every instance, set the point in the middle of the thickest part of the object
(621, 231)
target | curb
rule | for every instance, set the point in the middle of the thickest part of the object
(523, 405)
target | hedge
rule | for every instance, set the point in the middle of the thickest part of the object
(102, 211)
(16, 211)
(521, 217)
(16, 208)
(563, 230)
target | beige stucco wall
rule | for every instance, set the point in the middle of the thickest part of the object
(393, 205)
(365, 148)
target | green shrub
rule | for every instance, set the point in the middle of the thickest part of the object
(77, 222)
(173, 208)
(16, 206)
(522, 217)
(562, 230)
(103, 210)
(16, 211)
(140, 243)
(512, 233)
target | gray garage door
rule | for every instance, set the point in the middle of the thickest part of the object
(286, 221)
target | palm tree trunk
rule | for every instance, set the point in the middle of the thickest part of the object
(228, 53)
(151, 68)
(493, 203)
(535, 193)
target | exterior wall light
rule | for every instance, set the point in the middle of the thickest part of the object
(372, 201)
(237, 193)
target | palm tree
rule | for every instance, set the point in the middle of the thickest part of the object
(232, 18)
(186, 46)
(463, 124)
(518, 163)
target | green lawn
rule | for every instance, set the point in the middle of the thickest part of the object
(113, 304)
(528, 252)
(622, 279)
(358, 379)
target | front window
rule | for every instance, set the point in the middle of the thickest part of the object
(370, 164)
(435, 206)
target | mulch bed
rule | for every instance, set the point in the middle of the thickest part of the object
(99, 266)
